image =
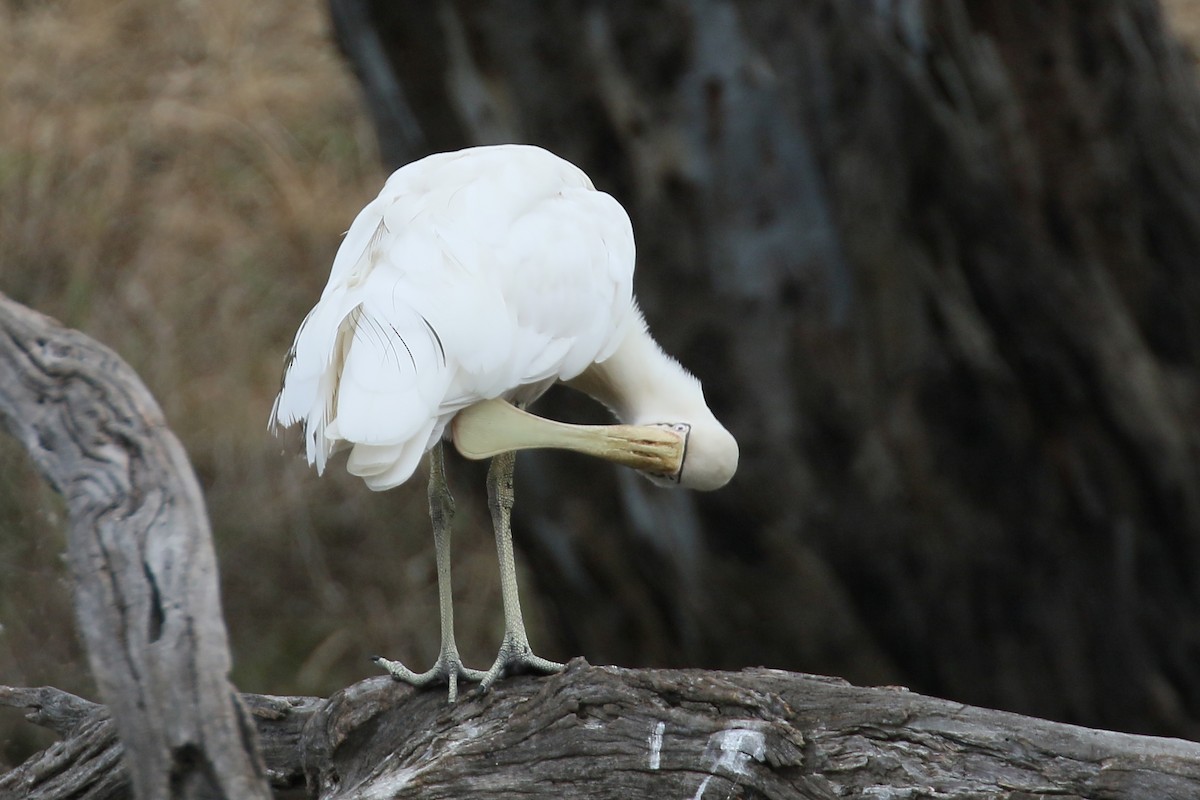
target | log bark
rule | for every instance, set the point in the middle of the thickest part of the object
(140, 549)
(604, 732)
(88, 762)
(935, 264)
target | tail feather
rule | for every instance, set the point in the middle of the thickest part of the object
(386, 466)
(392, 379)
(375, 387)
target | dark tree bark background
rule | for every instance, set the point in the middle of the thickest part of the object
(935, 264)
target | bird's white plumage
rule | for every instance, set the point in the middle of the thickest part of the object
(488, 272)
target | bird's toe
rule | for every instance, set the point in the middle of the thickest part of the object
(517, 658)
(448, 669)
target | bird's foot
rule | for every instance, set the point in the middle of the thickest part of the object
(448, 669)
(516, 657)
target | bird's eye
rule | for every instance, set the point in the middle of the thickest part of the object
(681, 427)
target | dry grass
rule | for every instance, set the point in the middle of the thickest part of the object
(174, 180)
(1184, 18)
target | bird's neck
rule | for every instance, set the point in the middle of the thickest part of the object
(641, 384)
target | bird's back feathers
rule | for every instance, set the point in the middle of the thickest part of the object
(489, 272)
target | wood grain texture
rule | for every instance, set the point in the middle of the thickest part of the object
(141, 556)
(605, 732)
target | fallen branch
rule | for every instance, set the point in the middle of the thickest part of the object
(604, 732)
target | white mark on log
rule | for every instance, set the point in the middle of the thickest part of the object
(656, 739)
(468, 731)
(897, 793)
(730, 751)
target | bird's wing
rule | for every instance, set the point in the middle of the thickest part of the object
(568, 282)
(368, 366)
(485, 273)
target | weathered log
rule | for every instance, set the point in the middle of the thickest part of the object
(141, 555)
(87, 763)
(604, 732)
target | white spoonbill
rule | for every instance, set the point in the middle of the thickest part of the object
(476, 280)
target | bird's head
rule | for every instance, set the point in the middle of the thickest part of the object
(710, 455)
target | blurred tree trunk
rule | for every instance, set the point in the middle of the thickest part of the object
(935, 264)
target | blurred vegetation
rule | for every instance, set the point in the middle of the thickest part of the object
(174, 181)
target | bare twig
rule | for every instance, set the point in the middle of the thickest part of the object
(50, 708)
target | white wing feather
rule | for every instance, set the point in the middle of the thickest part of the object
(489, 272)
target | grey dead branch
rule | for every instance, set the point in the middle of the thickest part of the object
(141, 556)
(172, 726)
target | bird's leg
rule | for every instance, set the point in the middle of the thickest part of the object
(515, 654)
(449, 666)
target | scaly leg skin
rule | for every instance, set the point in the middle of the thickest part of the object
(449, 667)
(515, 654)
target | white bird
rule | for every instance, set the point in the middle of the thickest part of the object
(477, 277)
